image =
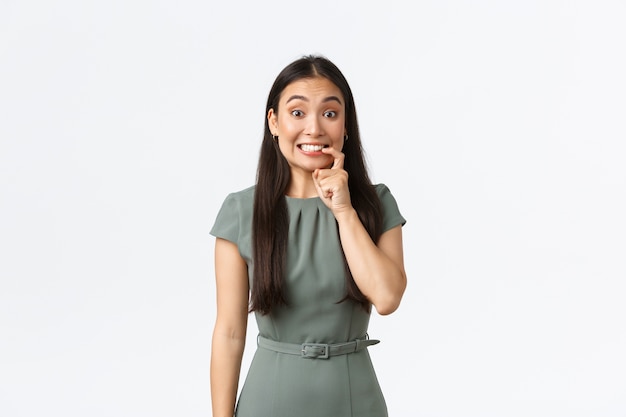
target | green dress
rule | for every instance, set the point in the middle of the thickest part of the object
(287, 385)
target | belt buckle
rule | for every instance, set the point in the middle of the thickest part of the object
(315, 350)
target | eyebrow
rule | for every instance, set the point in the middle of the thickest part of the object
(303, 98)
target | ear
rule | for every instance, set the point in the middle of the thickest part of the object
(272, 120)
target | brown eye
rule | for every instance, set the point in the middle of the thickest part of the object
(330, 114)
(297, 113)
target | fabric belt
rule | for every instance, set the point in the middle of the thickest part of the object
(316, 350)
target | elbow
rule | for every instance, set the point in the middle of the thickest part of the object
(386, 307)
(385, 310)
(390, 302)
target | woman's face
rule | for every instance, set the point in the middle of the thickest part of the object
(311, 116)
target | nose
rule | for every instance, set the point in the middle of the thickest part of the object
(314, 126)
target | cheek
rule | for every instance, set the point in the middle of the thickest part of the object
(286, 146)
(287, 125)
(337, 128)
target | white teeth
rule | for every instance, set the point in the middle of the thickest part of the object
(311, 148)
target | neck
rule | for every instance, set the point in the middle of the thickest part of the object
(301, 185)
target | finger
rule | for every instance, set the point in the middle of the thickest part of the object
(316, 181)
(337, 155)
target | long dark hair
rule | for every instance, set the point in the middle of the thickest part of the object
(270, 222)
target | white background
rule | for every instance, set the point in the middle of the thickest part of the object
(498, 125)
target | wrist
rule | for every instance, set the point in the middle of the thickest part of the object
(347, 215)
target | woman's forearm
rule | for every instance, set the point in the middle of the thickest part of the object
(377, 270)
(226, 356)
(229, 334)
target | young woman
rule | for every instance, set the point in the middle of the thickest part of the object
(309, 249)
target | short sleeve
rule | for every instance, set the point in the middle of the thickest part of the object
(391, 213)
(226, 224)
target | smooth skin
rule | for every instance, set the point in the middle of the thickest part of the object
(229, 334)
(311, 128)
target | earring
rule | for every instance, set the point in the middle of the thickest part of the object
(275, 138)
(345, 138)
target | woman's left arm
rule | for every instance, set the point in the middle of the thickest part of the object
(377, 269)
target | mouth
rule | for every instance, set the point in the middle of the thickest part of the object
(311, 148)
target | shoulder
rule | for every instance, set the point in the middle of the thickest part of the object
(238, 203)
(235, 215)
(243, 195)
(383, 192)
(381, 189)
(391, 212)
(240, 199)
